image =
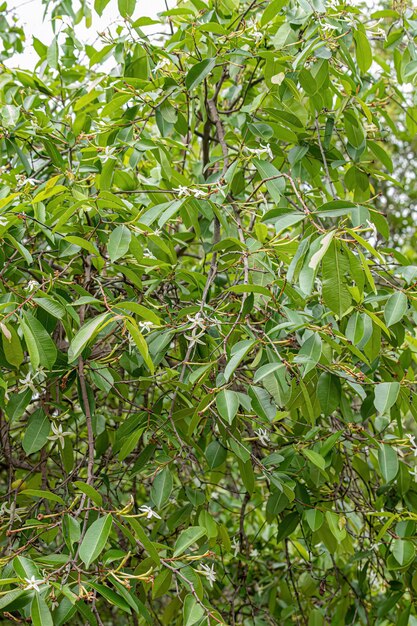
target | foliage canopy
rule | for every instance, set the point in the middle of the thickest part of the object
(208, 317)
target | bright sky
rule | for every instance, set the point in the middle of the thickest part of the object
(30, 14)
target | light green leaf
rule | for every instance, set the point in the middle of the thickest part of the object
(39, 493)
(334, 522)
(192, 610)
(86, 334)
(90, 492)
(395, 308)
(53, 307)
(187, 538)
(386, 395)
(126, 7)
(140, 342)
(363, 50)
(315, 458)
(324, 246)
(227, 403)
(403, 551)
(388, 462)
(314, 518)
(119, 242)
(39, 342)
(274, 181)
(39, 612)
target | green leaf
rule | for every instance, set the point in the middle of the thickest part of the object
(37, 431)
(388, 462)
(363, 50)
(334, 522)
(386, 395)
(192, 611)
(90, 492)
(315, 518)
(39, 612)
(242, 350)
(335, 266)
(227, 403)
(144, 540)
(274, 181)
(119, 242)
(140, 310)
(328, 392)
(111, 596)
(324, 246)
(86, 334)
(198, 73)
(12, 347)
(95, 539)
(126, 7)
(46, 495)
(52, 306)
(187, 538)
(395, 308)
(161, 487)
(315, 458)
(215, 454)
(403, 551)
(140, 342)
(39, 343)
(100, 5)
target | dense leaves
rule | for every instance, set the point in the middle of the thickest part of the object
(208, 317)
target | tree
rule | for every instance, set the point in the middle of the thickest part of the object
(208, 311)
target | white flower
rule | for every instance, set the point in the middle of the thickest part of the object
(145, 325)
(372, 228)
(254, 553)
(161, 64)
(27, 383)
(148, 512)
(108, 152)
(197, 328)
(6, 332)
(12, 511)
(147, 253)
(182, 191)
(219, 189)
(32, 284)
(3, 221)
(198, 193)
(327, 28)
(268, 150)
(260, 151)
(412, 440)
(263, 436)
(59, 434)
(235, 546)
(197, 320)
(208, 571)
(194, 337)
(32, 583)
